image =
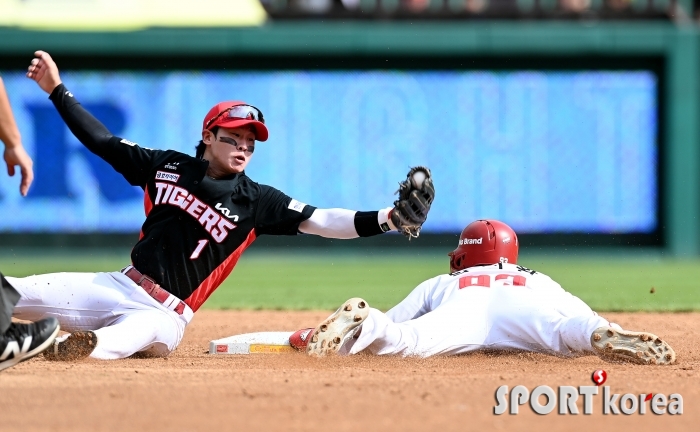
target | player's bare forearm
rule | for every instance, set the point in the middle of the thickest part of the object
(14, 154)
(9, 134)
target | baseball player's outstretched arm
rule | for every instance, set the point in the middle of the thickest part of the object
(43, 71)
(410, 211)
(89, 131)
(131, 161)
(279, 214)
(416, 304)
(14, 154)
(346, 224)
(85, 127)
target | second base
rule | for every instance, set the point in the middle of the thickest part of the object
(253, 343)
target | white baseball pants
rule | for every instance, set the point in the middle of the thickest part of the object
(125, 318)
(501, 317)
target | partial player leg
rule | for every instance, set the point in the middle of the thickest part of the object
(505, 317)
(457, 326)
(109, 316)
(80, 301)
(416, 304)
(21, 342)
(153, 332)
(610, 341)
(8, 299)
(552, 322)
(379, 335)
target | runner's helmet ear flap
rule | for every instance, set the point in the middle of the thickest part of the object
(485, 242)
(455, 261)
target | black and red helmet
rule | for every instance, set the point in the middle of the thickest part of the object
(485, 242)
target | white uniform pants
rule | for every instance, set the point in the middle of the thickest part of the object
(125, 318)
(502, 317)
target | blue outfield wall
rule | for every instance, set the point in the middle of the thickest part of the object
(546, 151)
(678, 46)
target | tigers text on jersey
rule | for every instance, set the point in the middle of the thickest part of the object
(196, 227)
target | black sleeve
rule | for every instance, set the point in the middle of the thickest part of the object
(279, 214)
(367, 225)
(127, 158)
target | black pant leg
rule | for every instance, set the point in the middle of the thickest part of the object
(8, 299)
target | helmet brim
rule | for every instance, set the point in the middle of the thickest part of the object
(261, 133)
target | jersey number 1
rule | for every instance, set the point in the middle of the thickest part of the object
(198, 249)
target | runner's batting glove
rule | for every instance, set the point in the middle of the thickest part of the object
(416, 194)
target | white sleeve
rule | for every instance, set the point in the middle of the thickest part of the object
(416, 304)
(337, 223)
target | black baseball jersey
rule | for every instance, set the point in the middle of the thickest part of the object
(196, 227)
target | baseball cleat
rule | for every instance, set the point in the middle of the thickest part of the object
(299, 340)
(637, 347)
(76, 346)
(330, 335)
(23, 341)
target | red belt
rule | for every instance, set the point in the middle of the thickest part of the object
(154, 290)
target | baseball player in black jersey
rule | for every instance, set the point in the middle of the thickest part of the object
(201, 214)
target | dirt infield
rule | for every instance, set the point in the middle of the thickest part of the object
(193, 391)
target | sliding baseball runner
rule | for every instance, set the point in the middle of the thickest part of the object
(202, 212)
(487, 301)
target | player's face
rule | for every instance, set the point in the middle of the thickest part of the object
(230, 150)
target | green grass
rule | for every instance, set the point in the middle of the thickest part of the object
(297, 280)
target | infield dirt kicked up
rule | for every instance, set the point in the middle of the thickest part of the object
(194, 391)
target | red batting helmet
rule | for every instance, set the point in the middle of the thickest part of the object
(485, 241)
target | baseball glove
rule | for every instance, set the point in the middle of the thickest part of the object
(416, 194)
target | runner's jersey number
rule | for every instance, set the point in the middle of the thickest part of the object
(485, 280)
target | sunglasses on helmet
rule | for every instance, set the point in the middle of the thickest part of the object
(248, 112)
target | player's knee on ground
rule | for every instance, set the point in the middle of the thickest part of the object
(154, 332)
